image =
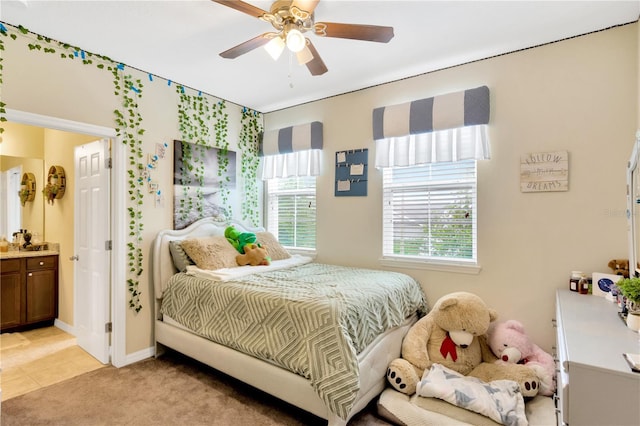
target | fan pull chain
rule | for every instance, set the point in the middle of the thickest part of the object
(290, 68)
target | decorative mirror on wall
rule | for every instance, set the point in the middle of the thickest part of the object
(633, 207)
(27, 188)
(56, 183)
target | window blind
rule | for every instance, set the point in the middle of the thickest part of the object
(429, 212)
(291, 211)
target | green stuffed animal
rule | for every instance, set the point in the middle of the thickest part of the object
(239, 239)
(246, 243)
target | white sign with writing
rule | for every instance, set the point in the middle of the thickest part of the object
(544, 171)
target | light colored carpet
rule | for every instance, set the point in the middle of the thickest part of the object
(171, 390)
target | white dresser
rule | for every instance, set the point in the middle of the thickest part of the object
(595, 384)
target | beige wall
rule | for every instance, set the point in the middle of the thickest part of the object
(19, 140)
(45, 84)
(578, 95)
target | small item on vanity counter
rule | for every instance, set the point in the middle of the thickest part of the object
(17, 238)
(583, 285)
(27, 240)
(4, 245)
(574, 280)
(35, 247)
(35, 239)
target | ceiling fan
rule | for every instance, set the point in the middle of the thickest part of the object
(291, 19)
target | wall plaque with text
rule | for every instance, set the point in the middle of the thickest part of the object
(544, 172)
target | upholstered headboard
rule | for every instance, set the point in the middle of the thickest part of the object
(162, 263)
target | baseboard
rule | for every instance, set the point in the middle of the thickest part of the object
(129, 359)
(138, 356)
(65, 327)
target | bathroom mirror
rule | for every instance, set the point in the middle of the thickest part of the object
(14, 215)
(633, 206)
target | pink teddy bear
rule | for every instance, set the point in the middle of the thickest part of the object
(510, 344)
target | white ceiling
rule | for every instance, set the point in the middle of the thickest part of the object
(180, 40)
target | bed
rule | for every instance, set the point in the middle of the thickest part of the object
(330, 369)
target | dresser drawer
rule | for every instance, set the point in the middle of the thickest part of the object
(10, 265)
(45, 262)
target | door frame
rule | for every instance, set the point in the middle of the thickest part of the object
(118, 217)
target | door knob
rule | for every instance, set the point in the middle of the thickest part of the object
(74, 257)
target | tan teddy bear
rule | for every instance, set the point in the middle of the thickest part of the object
(620, 267)
(253, 255)
(453, 334)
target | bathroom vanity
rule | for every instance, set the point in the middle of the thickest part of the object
(28, 289)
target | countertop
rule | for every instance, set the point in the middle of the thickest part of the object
(20, 254)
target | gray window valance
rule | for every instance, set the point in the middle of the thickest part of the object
(453, 110)
(292, 151)
(292, 139)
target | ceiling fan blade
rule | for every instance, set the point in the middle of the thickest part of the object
(316, 66)
(247, 46)
(303, 8)
(354, 31)
(242, 7)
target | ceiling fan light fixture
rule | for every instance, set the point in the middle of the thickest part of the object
(295, 40)
(291, 19)
(304, 56)
(275, 47)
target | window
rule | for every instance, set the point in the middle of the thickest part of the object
(429, 212)
(291, 211)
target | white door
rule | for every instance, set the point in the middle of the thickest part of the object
(92, 256)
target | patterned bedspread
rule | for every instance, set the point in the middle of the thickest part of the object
(311, 319)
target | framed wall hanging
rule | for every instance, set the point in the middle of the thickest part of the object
(544, 172)
(56, 184)
(351, 173)
(203, 177)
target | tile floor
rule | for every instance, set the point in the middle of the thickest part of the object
(37, 358)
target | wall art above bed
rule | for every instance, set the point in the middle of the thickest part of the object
(203, 179)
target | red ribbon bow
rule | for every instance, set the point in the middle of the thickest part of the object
(448, 347)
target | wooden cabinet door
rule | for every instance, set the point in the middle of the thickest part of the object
(42, 297)
(10, 299)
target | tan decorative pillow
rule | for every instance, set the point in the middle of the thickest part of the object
(211, 252)
(273, 246)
